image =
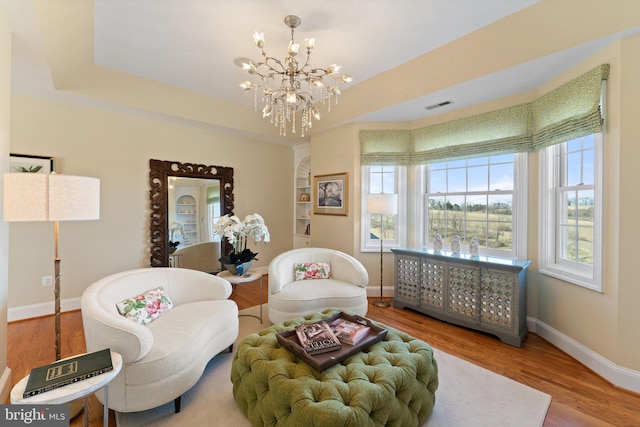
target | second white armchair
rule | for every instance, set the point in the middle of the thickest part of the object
(344, 286)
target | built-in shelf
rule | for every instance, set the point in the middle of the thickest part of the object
(302, 226)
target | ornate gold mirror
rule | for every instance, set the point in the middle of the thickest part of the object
(168, 204)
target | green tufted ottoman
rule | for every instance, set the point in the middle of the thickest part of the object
(391, 383)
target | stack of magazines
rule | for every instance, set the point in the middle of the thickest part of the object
(322, 337)
(317, 338)
(349, 332)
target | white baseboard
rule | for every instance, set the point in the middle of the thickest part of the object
(618, 375)
(42, 309)
(5, 385)
(373, 291)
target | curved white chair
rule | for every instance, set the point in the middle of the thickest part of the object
(166, 357)
(200, 256)
(290, 298)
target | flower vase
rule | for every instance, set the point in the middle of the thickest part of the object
(239, 269)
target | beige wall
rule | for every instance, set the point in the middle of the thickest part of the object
(116, 148)
(5, 108)
(604, 323)
(625, 249)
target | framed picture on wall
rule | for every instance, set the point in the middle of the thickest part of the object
(331, 195)
(32, 164)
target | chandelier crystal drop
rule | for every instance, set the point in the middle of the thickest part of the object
(287, 87)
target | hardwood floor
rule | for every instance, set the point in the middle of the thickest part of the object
(579, 396)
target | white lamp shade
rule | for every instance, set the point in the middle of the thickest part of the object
(382, 204)
(41, 197)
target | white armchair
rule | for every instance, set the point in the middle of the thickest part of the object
(290, 298)
(166, 357)
(200, 256)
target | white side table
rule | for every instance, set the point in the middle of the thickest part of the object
(71, 392)
(249, 276)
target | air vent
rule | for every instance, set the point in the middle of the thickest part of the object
(441, 104)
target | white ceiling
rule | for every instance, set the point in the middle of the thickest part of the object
(198, 44)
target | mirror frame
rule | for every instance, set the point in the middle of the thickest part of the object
(159, 173)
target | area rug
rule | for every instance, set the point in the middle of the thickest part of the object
(468, 396)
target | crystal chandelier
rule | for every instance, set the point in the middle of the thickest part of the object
(287, 87)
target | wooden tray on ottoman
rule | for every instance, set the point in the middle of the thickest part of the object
(322, 361)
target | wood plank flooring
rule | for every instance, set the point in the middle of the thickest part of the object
(579, 396)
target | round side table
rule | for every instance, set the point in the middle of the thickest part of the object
(249, 276)
(81, 389)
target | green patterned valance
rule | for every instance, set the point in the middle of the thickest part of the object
(570, 111)
(385, 147)
(502, 131)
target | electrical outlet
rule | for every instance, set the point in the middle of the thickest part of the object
(47, 280)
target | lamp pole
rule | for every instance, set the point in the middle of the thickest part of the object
(380, 302)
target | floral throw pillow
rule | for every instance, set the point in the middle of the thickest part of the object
(312, 270)
(146, 307)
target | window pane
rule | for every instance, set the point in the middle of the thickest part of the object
(588, 167)
(438, 166)
(375, 183)
(589, 141)
(389, 231)
(500, 207)
(438, 181)
(436, 204)
(569, 214)
(585, 245)
(503, 158)
(501, 177)
(476, 229)
(455, 203)
(570, 242)
(574, 168)
(499, 235)
(478, 178)
(388, 182)
(478, 161)
(574, 145)
(455, 216)
(457, 164)
(457, 180)
(374, 227)
(455, 225)
(585, 207)
(436, 226)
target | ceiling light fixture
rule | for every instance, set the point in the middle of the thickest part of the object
(288, 87)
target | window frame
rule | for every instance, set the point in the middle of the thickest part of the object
(401, 189)
(519, 219)
(580, 274)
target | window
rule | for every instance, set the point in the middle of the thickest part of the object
(481, 197)
(378, 179)
(571, 211)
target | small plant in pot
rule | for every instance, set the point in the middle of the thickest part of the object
(173, 246)
(238, 234)
(175, 228)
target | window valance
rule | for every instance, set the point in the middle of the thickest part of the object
(570, 111)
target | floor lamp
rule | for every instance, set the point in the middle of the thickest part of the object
(42, 197)
(382, 204)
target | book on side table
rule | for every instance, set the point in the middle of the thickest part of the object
(68, 371)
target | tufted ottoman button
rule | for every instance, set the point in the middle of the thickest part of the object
(392, 383)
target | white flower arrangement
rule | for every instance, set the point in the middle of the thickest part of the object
(238, 233)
